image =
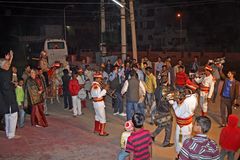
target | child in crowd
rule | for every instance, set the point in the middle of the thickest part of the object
(20, 100)
(230, 138)
(139, 136)
(124, 137)
(74, 88)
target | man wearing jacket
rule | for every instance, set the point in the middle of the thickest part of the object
(163, 116)
(66, 94)
(116, 85)
(132, 87)
(150, 86)
(229, 94)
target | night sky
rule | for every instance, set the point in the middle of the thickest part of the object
(18, 19)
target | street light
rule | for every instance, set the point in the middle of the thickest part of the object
(64, 20)
(179, 16)
(118, 3)
(123, 27)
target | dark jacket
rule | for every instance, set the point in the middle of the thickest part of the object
(65, 79)
(108, 68)
(8, 95)
(234, 90)
(133, 90)
(2, 104)
(116, 85)
(162, 104)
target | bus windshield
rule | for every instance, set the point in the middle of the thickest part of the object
(56, 45)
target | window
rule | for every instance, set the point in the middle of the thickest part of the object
(140, 25)
(150, 37)
(56, 45)
(150, 12)
(140, 37)
(150, 24)
(140, 12)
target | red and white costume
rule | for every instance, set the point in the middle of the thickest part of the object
(98, 102)
(206, 90)
(98, 94)
(184, 116)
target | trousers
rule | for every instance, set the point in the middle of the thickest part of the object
(100, 114)
(67, 98)
(203, 103)
(132, 107)
(10, 124)
(230, 154)
(122, 155)
(77, 108)
(168, 132)
(118, 103)
(21, 117)
(225, 104)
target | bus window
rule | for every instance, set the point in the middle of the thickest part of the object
(56, 45)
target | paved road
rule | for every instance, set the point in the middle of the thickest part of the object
(69, 138)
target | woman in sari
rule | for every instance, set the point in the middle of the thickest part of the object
(34, 98)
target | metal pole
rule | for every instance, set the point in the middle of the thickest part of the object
(64, 20)
(64, 23)
(181, 44)
(123, 32)
(103, 48)
(133, 30)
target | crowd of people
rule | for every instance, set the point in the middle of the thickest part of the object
(158, 91)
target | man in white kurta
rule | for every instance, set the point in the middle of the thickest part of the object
(184, 114)
(206, 89)
(97, 94)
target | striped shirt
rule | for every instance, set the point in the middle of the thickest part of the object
(199, 148)
(139, 143)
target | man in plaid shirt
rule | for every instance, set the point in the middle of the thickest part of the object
(200, 147)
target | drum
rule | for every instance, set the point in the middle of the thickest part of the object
(82, 94)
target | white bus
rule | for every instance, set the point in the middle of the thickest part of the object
(56, 50)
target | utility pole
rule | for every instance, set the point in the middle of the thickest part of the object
(64, 20)
(103, 48)
(179, 16)
(123, 27)
(133, 29)
(123, 31)
(181, 36)
(64, 23)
